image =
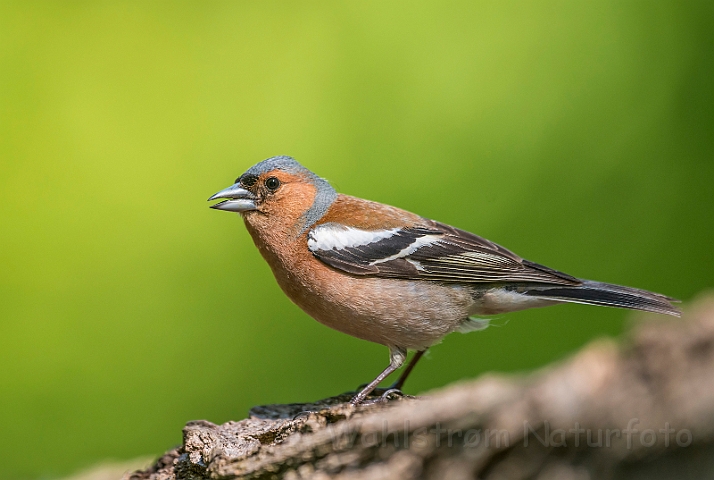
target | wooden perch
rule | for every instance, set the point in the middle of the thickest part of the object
(641, 409)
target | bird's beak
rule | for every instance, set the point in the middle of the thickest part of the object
(239, 199)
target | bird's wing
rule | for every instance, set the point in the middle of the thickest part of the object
(432, 251)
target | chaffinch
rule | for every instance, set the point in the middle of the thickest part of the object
(389, 276)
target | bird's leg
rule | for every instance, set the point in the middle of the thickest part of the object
(396, 359)
(403, 377)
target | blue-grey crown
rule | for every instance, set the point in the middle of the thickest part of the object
(282, 162)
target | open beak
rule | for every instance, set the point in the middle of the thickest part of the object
(238, 199)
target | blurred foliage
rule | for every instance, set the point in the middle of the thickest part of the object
(578, 134)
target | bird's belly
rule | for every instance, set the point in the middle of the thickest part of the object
(404, 313)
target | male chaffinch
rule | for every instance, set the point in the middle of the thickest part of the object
(389, 276)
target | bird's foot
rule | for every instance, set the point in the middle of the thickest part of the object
(304, 413)
(393, 393)
(380, 396)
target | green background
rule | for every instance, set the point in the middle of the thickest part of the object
(578, 134)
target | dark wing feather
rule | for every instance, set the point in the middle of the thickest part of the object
(441, 253)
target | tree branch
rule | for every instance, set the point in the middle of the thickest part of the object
(640, 409)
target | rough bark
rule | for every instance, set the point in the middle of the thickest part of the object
(643, 408)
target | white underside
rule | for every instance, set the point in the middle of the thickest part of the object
(499, 300)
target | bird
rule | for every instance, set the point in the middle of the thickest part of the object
(389, 276)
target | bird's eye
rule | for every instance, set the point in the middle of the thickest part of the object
(247, 180)
(272, 183)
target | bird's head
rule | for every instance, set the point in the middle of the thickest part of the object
(278, 191)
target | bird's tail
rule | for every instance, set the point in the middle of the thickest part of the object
(609, 295)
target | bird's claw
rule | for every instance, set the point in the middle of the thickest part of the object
(385, 395)
(392, 391)
(304, 413)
